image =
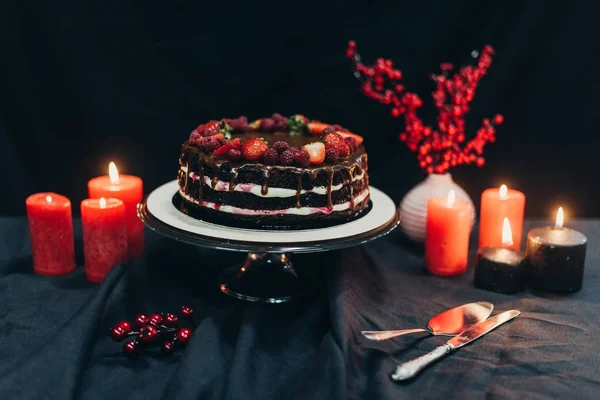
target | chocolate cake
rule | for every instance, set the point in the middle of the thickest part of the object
(273, 173)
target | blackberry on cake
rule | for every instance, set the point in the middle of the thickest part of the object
(273, 173)
(271, 157)
(287, 157)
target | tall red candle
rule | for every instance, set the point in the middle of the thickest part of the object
(497, 204)
(447, 235)
(51, 232)
(130, 190)
(104, 236)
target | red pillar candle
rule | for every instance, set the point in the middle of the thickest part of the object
(447, 235)
(51, 232)
(104, 236)
(497, 204)
(130, 190)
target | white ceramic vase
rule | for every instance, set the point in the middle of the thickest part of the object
(413, 207)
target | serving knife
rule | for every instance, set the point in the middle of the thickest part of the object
(410, 369)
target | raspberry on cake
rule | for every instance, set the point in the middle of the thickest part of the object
(273, 173)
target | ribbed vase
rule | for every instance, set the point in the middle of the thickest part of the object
(413, 207)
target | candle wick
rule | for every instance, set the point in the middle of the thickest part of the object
(49, 199)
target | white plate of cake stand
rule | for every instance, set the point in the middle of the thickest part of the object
(267, 274)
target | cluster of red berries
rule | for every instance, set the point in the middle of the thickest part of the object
(208, 136)
(239, 124)
(281, 153)
(151, 329)
(444, 146)
(335, 141)
(277, 123)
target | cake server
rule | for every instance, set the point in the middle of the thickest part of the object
(448, 323)
(410, 369)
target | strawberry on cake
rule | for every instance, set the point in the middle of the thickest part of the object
(273, 173)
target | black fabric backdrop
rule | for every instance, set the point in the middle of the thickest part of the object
(82, 83)
(54, 341)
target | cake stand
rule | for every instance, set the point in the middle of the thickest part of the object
(267, 275)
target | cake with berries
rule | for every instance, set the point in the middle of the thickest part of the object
(273, 173)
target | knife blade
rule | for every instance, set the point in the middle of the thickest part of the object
(410, 369)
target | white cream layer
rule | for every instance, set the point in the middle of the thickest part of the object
(294, 211)
(271, 192)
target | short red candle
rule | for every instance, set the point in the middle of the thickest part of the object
(447, 235)
(497, 204)
(104, 236)
(51, 232)
(129, 189)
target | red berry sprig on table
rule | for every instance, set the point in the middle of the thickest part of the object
(444, 145)
(163, 327)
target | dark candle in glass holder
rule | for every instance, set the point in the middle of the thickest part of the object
(556, 257)
(500, 269)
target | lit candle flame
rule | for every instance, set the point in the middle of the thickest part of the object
(451, 198)
(113, 173)
(503, 192)
(49, 199)
(560, 218)
(507, 237)
(102, 202)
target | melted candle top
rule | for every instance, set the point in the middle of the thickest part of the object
(557, 236)
(501, 255)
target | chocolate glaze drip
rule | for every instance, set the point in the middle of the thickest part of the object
(298, 190)
(329, 188)
(215, 174)
(187, 174)
(265, 185)
(232, 176)
(350, 177)
(201, 168)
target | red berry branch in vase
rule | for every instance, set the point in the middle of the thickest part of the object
(163, 327)
(443, 145)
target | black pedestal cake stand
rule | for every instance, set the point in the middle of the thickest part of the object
(267, 275)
